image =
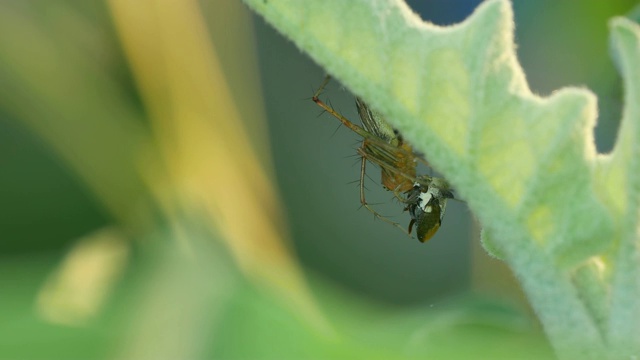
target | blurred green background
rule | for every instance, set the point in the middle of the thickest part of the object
(69, 100)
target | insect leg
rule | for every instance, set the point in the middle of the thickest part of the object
(363, 199)
(355, 128)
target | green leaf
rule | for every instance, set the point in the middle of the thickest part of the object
(527, 166)
(619, 187)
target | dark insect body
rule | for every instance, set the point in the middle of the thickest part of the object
(426, 205)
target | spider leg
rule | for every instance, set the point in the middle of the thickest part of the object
(363, 199)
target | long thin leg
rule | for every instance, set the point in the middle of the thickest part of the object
(355, 128)
(363, 200)
(384, 156)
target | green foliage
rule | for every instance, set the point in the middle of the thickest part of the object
(172, 307)
(562, 216)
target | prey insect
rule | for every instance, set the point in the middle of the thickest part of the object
(424, 196)
(426, 205)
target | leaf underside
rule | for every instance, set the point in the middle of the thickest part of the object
(564, 217)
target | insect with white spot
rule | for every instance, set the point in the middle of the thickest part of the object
(426, 203)
(425, 197)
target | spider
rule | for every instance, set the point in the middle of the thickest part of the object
(425, 196)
